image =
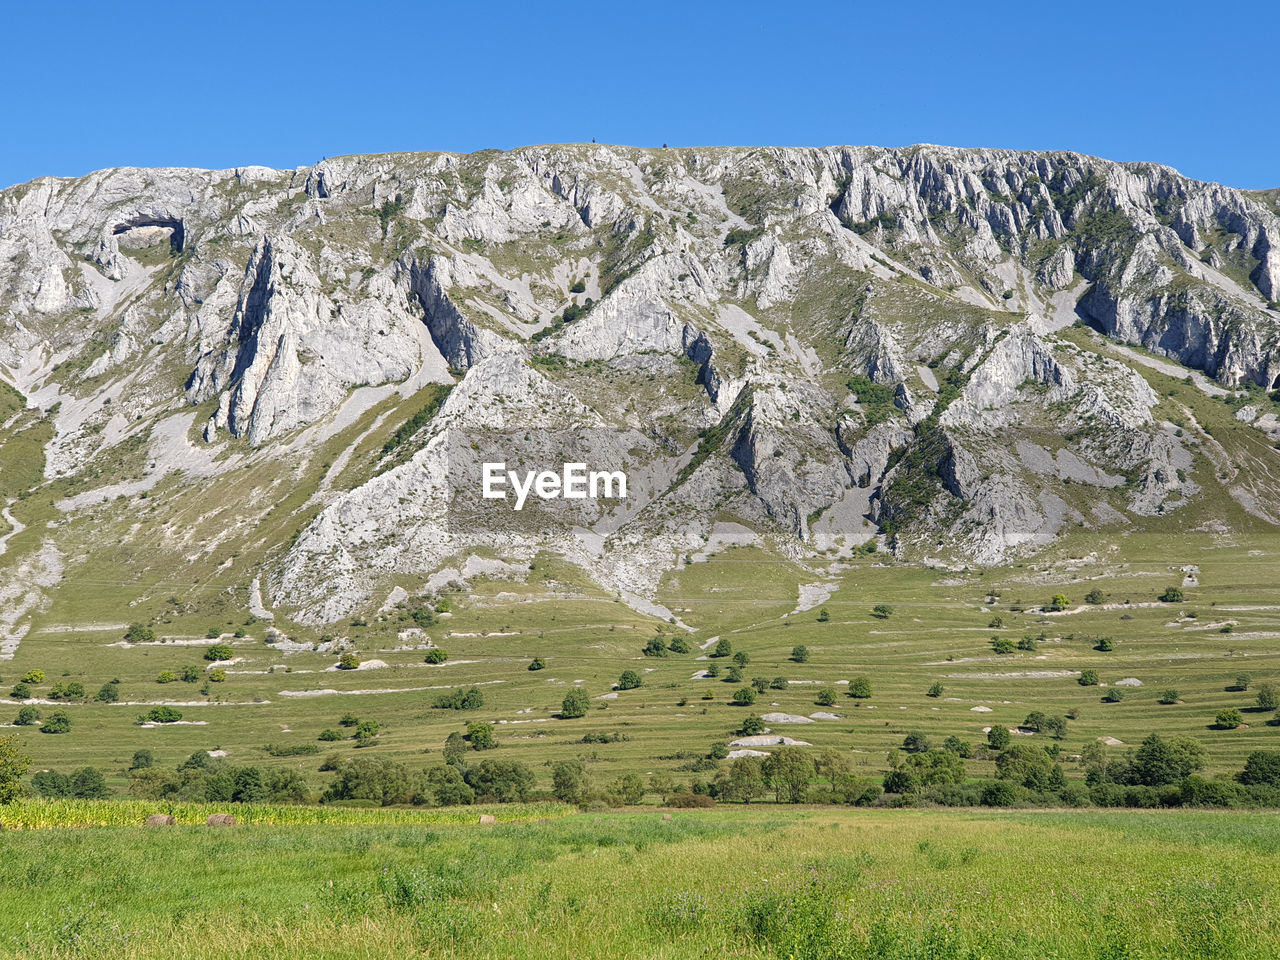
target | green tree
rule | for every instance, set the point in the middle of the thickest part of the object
(789, 771)
(629, 680)
(745, 780)
(1088, 678)
(142, 759)
(744, 697)
(575, 704)
(569, 781)
(220, 651)
(825, 698)
(249, 786)
(860, 688)
(800, 653)
(1267, 698)
(656, 647)
(936, 689)
(1261, 767)
(1025, 764)
(1171, 595)
(741, 659)
(1167, 697)
(57, 722)
(823, 615)
(679, 645)
(723, 648)
(998, 738)
(447, 786)
(961, 748)
(455, 747)
(348, 661)
(1095, 597)
(88, 783)
(27, 717)
(139, 633)
(778, 683)
(537, 663)
(628, 788)
(506, 781)
(882, 611)
(110, 692)
(13, 766)
(1057, 602)
(1227, 719)
(752, 726)
(915, 742)
(435, 655)
(481, 735)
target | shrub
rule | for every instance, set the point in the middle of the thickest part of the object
(57, 722)
(1229, 719)
(718, 751)
(348, 720)
(679, 645)
(461, 699)
(999, 793)
(1114, 695)
(161, 714)
(744, 697)
(139, 633)
(752, 726)
(329, 735)
(575, 704)
(1242, 683)
(27, 717)
(220, 651)
(1088, 678)
(778, 683)
(741, 659)
(1171, 595)
(1168, 696)
(936, 689)
(213, 633)
(110, 692)
(1105, 645)
(800, 653)
(435, 655)
(723, 648)
(961, 748)
(190, 674)
(1002, 645)
(480, 735)
(1094, 597)
(33, 677)
(1058, 602)
(629, 680)
(689, 800)
(1267, 698)
(537, 663)
(656, 647)
(348, 661)
(882, 611)
(21, 691)
(860, 688)
(142, 760)
(823, 615)
(825, 698)
(217, 675)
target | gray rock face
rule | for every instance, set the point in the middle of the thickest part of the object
(704, 310)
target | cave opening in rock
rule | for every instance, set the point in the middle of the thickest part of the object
(142, 232)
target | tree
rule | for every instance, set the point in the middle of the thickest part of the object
(50, 783)
(759, 684)
(481, 735)
(744, 697)
(935, 767)
(21, 691)
(161, 714)
(745, 780)
(1171, 595)
(1267, 698)
(1114, 695)
(139, 633)
(1094, 597)
(1242, 682)
(367, 732)
(1169, 696)
(679, 645)
(800, 653)
(365, 777)
(860, 688)
(220, 651)
(882, 611)
(1055, 726)
(718, 751)
(1227, 719)
(1002, 645)
(915, 742)
(723, 648)
(348, 661)
(13, 766)
(733, 675)
(788, 770)
(249, 786)
(1035, 721)
(110, 692)
(778, 683)
(190, 674)
(1105, 644)
(27, 717)
(506, 781)
(1261, 767)
(752, 726)
(656, 647)
(1088, 678)
(825, 698)
(936, 689)
(1057, 602)
(58, 722)
(469, 698)
(741, 659)
(961, 748)
(1158, 762)
(823, 615)
(142, 759)
(455, 747)
(663, 784)
(537, 663)
(629, 680)
(447, 786)
(628, 788)
(575, 704)
(998, 738)
(435, 655)
(1025, 764)
(569, 781)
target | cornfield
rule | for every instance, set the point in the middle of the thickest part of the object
(48, 814)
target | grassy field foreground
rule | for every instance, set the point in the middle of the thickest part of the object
(751, 883)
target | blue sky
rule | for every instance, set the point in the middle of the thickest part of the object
(93, 85)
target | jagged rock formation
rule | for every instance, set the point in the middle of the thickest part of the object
(866, 340)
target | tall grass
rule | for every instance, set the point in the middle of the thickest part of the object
(51, 814)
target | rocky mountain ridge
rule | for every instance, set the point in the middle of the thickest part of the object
(832, 347)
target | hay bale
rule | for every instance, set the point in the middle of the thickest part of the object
(161, 820)
(487, 819)
(220, 820)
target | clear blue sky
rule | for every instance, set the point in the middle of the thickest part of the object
(90, 85)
